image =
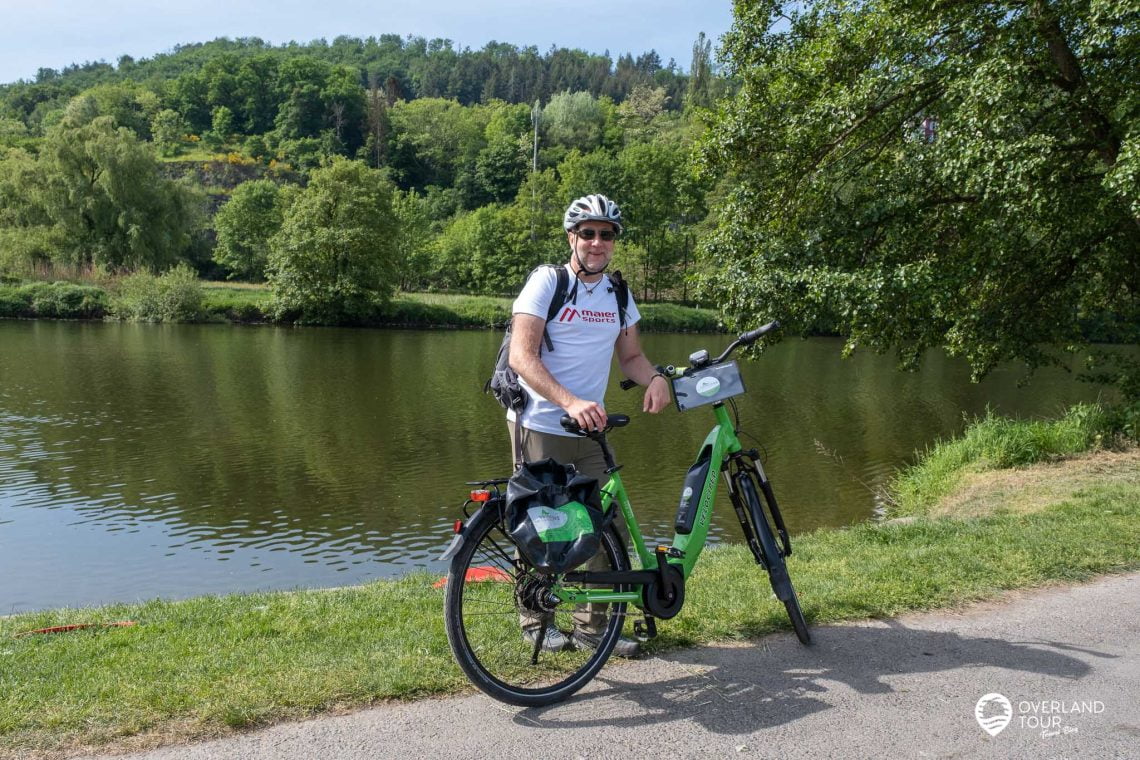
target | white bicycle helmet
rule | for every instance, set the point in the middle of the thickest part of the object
(594, 207)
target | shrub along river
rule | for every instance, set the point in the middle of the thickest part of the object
(141, 461)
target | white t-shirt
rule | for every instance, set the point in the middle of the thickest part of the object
(583, 334)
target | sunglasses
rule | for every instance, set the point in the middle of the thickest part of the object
(589, 233)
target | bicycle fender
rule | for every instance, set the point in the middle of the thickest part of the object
(453, 547)
(459, 537)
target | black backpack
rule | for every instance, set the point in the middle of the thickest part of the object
(504, 382)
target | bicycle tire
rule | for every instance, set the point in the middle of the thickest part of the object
(774, 560)
(482, 618)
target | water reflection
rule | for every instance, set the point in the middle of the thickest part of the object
(140, 461)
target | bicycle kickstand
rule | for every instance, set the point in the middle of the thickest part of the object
(646, 629)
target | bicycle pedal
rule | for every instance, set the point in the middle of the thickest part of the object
(671, 551)
(644, 630)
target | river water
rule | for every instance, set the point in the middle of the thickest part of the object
(141, 461)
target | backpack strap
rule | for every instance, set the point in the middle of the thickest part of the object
(621, 290)
(556, 302)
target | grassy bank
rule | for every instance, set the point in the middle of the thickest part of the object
(143, 300)
(206, 666)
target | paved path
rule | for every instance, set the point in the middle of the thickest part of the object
(900, 688)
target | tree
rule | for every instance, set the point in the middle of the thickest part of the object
(126, 104)
(639, 110)
(169, 129)
(594, 172)
(700, 74)
(501, 167)
(574, 120)
(27, 235)
(433, 139)
(487, 250)
(94, 196)
(376, 141)
(651, 175)
(222, 126)
(334, 259)
(244, 226)
(413, 242)
(539, 206)
(915, 175)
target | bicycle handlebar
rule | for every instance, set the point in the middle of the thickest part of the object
(744, 339)
(570, 425)
(751, 337)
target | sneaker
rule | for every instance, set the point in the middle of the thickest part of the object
(625, 647)
(553, 641)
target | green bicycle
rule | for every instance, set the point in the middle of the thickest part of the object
(489, 583)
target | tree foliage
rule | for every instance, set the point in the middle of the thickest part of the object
(922, 174)
(94, 196)
(333, 260)
(244, 226)
(574, 120)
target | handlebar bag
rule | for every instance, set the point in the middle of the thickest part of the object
(554, 515)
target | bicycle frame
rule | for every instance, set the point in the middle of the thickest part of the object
(721, 443)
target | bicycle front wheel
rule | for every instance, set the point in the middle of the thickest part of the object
(774, 559)
(492, 594)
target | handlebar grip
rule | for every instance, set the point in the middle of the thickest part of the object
(570, 425)
(751, 337)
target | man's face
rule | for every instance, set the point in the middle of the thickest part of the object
(590, 246)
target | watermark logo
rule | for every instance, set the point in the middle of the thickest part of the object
(994, 712)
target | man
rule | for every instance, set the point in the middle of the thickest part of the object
(572, 377)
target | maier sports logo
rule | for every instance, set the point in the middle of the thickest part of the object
(570, 314)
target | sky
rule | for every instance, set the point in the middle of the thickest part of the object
(55, 33)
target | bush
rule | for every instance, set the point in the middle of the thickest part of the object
(13, 305)
(66, 300)
(175, 296)
(53, 300)
(1124, 420)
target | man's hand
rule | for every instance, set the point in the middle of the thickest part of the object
(590, 414)
(656, 395)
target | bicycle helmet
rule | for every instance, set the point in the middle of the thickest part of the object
(594, 207)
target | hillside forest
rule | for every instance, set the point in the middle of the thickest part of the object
(450, 169)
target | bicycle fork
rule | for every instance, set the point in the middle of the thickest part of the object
(743, 466)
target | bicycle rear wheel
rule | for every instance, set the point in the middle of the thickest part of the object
(489, 587)
(773, 557)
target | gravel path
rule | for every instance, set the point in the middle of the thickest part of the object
(1067, 660)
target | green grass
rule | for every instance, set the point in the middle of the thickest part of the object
(993, 442)
(236, 302)
(205, 666)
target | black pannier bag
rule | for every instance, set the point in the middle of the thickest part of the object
(554, 515)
